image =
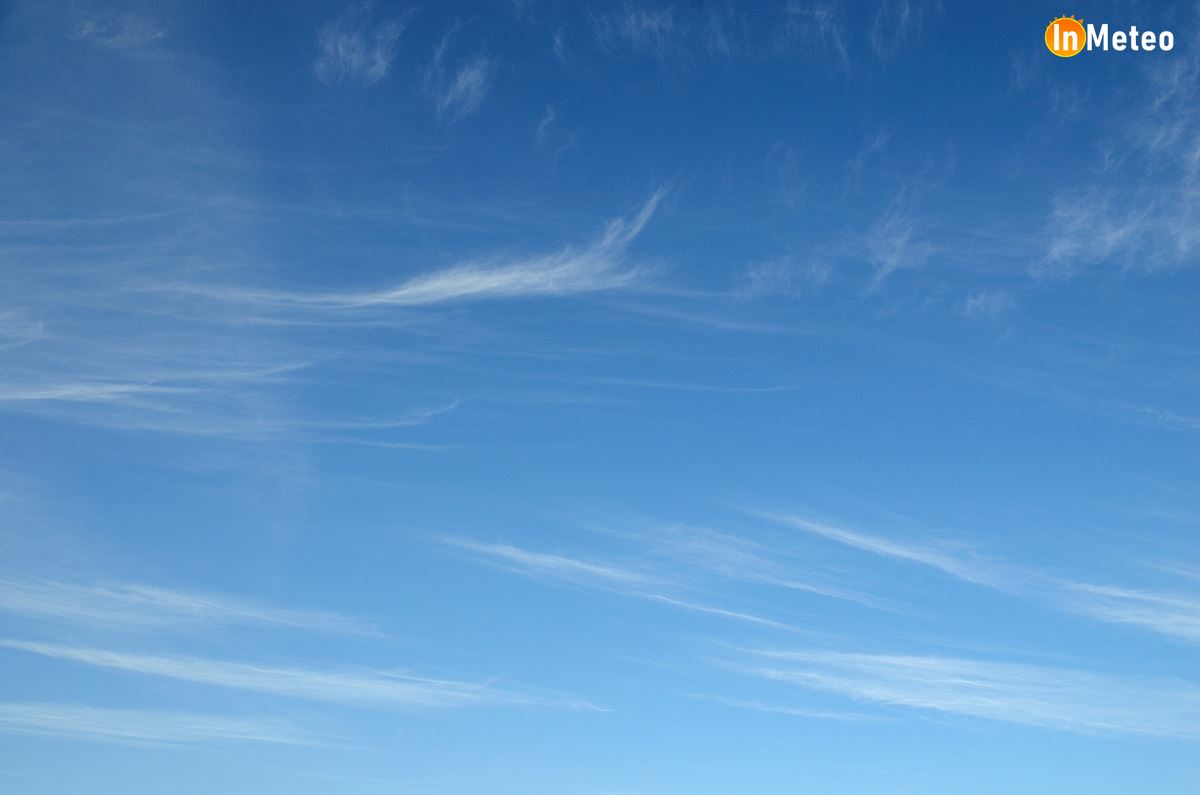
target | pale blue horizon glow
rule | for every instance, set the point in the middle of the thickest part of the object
(631, 399)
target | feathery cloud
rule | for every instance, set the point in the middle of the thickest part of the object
(642, 31)
(358, 686)
(457, 90)
(543, 127)
(144, 727)
(987, 304)
(895, 242)
(1057, 698)
(558, 567)
(463, 94)
(784, 276)
(568, 271)
(1174, 614)
(132, 606)
(354, 47)
(894, 24)
(784, 709)
(813, 30)
(127, 32)
(1141, 211)
(680, 566)
(648, 585)
(723, 31)
(738, 559)
(950, 562)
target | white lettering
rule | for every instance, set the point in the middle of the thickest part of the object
(1070, 39)
(1100, 38)
(1097, 39)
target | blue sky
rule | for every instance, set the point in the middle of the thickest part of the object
(630, 399)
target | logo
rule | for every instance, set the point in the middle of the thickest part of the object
(1066, 37)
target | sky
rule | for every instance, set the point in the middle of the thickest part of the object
(636, 398)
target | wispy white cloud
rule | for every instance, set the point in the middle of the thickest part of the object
(1156, 415)
(1051, 697)
(543, 127)
(642, 31)
(90, 333)
(357, 686)
(458, 90)
(784, 276)
(57, 378)
(817, 32)
(571, 270)
(145, 727)
(895, 23)
(604, 576)
(736, 558)
(785, 709)
(357, 47)
(559, 567)
(871, 149)
(17, 329)
(558, 45)
(956, 563)
(724, 31)
(895, 242)
(721, 612)
(119, 31)
(987, 304)
(85, 392)
(1140, 210)
(133, 606)
(682, 566)
(212, 371)
(1173, 614)
(463, 94)
(216, 403)
(814, 30)
(1095, 227)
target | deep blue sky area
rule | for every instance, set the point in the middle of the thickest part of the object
(636, 398)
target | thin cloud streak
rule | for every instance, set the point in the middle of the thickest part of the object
(782, 709)
(721, 612)
(1175, 615)
(132, 606)
(145, 727)
(212, 403)
(649, 586)
(355, 687)
(955, 566)
(556, 566)
(571, 270)
(739, 559)
(1057, 698)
